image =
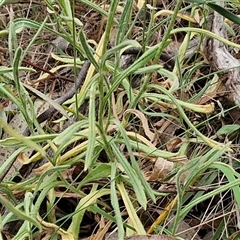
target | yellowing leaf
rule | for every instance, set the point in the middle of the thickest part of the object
(24, 140)
(70, 61)
(130, 209)
(52, 227)
(140, 4)
(42, 169)
(169, 12)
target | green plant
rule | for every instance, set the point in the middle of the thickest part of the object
(109, 145)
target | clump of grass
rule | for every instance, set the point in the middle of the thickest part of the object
(95, 165)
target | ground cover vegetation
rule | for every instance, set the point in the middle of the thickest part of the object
(119, 119)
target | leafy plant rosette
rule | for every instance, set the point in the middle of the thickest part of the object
(106, 130)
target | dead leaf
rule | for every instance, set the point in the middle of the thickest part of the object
(173, 143)
(179, 159)
(167, 129)
(45, 235)
(144, 121)
(215, 88)
(160, 170)
(186, 232)
(7, 235)
(197, 15)
(42, 169)
(23, 158)
(66, 195)
(104, 227)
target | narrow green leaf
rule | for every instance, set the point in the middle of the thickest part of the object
(50, 183)
(115, 202)
(33, 40)
(208, 195)
(24, 140)
(148, 69)
(210, 142)
(88, 50)
(224, 12)
(140, 62)
(229, 173)
(14, 142)
(150, 151)
(110, 23)
(137, 185)
(135, 165)
(124, 22)
(8, 161)
(131, 211)
(7, 91)
(84, 203)
(102, 170)
(97, 8)
(123, 46)
(65, 136)
(16, 63)
(66, 7)
(196, 1)
(206, 32)
(228, 129)
(92, 129)
(19, 213)
(53, 103)
(22, 23)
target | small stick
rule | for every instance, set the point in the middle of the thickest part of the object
(81, 76)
